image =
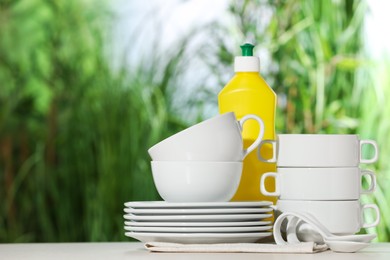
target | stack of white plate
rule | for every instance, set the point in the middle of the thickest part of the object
(208, 222)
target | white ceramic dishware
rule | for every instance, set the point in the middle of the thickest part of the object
(216, 139)
(344, 244)
(196, 211)
(198, 224)
(295, 218)
(339, 217)
(196, 205)
(318, 150)
(318, 183)
(187, 181)
(198, 218)
(199, 229)
(198, 238)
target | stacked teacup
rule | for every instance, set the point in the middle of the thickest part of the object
(320, 175)
(202, 163)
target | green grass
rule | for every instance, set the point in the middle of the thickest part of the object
(74, 132)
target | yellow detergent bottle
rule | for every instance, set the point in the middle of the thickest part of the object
(248, 93)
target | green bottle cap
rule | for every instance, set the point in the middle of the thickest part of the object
(247, 49)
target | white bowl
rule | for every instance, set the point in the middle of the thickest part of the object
(218, 139)
(187, 181)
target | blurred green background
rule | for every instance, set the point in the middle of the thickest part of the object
(87, 86)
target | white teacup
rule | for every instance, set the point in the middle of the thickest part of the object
(339, 217)
(318, 183)
(217, 139)
(318, 150)
(187, 181)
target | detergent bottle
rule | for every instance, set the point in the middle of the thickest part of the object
(248, 93)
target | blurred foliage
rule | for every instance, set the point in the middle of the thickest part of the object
(74, 132)
(375, 124)
(315, 52)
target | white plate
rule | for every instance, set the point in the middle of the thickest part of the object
(196, 211)
(164, 204)
(198, 238)
(198, 224)
(199, 229)
(184, 218)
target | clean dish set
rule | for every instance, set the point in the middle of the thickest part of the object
(319, 175)
(199, 170)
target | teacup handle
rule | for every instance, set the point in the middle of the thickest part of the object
(259, 137)
(264, 190)
(375, 145)
(274, 152)
(372, 176)
(378, 216)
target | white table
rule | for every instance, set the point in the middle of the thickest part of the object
(133, 250)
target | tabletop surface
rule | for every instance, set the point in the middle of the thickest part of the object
(135, 250)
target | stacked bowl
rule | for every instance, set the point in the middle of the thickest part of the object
(202, 163)
(320, 175)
